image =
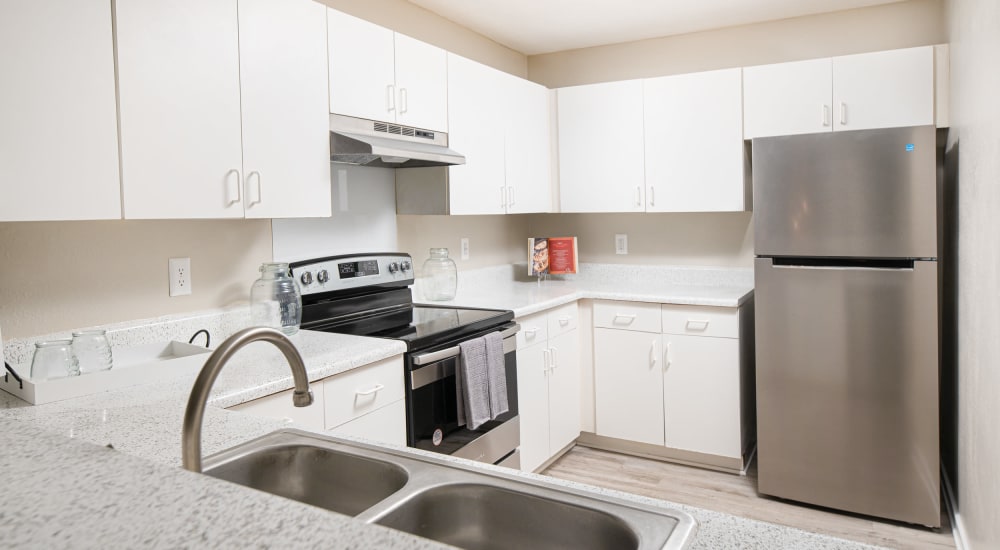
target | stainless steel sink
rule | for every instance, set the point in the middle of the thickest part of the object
(341, 482)
(443, 500)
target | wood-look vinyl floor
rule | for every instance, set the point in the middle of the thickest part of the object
(737, 495)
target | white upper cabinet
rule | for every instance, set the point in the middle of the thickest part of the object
(477, 126)
(286, 128)
(58, 136)
(872, 90)
(601, 166)
(787, 98)
(884, 89)
(378, 74)
(421, 84)
(694, 142)
(180, 107)
(527, 146)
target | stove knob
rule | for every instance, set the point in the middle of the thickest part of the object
(323, 276)
(306, 278)
(393, 267)
(405, 265)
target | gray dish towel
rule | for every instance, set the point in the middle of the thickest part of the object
(481, 381)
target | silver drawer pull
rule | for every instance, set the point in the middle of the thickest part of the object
(530, 332)
(375, 389)
(563, 321)
(628, 318)
(696, 324)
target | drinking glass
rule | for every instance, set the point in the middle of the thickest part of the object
(92, 349)
(54, 359)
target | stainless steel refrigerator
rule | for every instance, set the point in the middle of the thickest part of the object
(846, 292)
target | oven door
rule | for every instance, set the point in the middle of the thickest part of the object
(432, 410)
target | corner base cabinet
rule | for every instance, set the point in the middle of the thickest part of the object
(675, 381)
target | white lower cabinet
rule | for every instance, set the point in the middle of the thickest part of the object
(548, 384)
(365, 402)
(678, 381)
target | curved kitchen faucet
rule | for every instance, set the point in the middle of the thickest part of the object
(195, 412)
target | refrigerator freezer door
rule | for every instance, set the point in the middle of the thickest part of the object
(847, 388)
(868, 193)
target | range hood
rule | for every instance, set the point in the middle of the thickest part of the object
(386, 145)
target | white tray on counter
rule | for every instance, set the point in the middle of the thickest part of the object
(132, 366)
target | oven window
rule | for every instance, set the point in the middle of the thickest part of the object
(432, 414)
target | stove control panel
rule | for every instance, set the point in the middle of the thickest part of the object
(351, 271)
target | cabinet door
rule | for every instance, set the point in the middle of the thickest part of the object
(280, 406)
(385, 425)
(362, 67)
(628, 385)
(421, 84)
(564, 391)
(528, 147)
(601, 148)
(694, 142)
(59, 135)
(533, 404)
(286, 124)
(476, 129)
(179, 102)
(787, 98)
(701, 394)
(884, 89)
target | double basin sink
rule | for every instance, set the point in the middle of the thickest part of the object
(444, 500)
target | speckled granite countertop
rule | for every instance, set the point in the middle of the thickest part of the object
(63, 488)
(509, 287)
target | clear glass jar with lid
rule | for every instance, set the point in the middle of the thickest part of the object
(275, 299)
(439, 276)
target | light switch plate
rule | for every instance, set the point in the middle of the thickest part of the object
(621, 244)
(179, 271)
(465, 248)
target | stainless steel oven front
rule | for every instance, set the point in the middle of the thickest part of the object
(432, 411)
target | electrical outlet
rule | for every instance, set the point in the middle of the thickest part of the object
(621, 244)
(465, 248)
(179, 271)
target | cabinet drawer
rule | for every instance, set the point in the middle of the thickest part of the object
(362, 390)
(701, 320)
(386, 425)
(639, 316)
(563, 319)
(279, 405)
(534, 329)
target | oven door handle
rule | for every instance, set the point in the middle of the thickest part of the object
(509, 344)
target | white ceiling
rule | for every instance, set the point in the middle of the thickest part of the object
(543, 26)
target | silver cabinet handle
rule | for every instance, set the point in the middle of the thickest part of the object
(638, 195)
(530, 333)
(652, 195)
(510, 196)
(555, 357)
(653, 359)
(826, 115)
(376, 388)
(700, 324)
(503, 197)
(546, 361)
(843, 113)
(403, 103)
(239, 187)
(666, 356)
(390, 97)
(260, 196)
(563, 321)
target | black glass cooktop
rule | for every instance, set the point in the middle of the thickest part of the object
(434, 325)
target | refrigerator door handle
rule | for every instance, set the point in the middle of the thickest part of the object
(841, 264)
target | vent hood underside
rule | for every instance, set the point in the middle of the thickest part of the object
(384, 145)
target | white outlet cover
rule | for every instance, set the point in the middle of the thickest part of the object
(465, 248)
(179, 273)
(621, 244)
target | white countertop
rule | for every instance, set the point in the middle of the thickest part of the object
(63, 488)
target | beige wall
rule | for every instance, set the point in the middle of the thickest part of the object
(898, 25)
(975, 44)
(64, 275)
(718, 239)
(493, 240)
(412, 20)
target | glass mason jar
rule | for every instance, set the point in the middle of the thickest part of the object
(92, 349)
(275, 299)
(54, 359)
(439, 276)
